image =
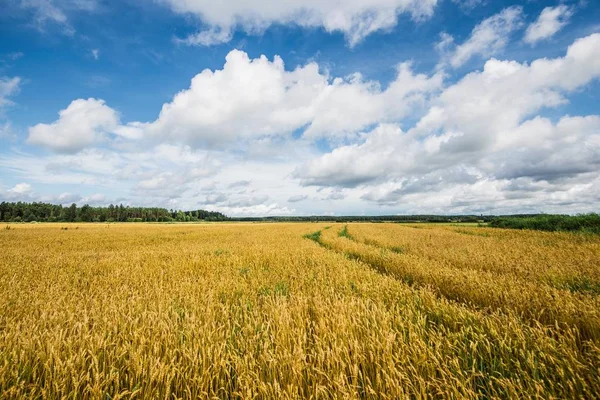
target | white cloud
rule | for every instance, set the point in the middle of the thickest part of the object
(505, 92)
(20, 192)
(241, 140)
(170, 176)
(487, 38)
(518, 172)
(257, 98)
(258, 210)
(550, 21)
(356, 19)
(476, 141)
(65, 198)
(170, 184)
(8, 87)
(247, 98)
(133, 130)
(354, 164)
(213, 36)
(20, 188)
(347, 106)
(255, 103)
(81, 124)
(96, 54)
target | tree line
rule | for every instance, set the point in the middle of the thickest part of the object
(45, 212)
(548, 222)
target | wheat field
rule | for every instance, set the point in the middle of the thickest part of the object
(298, 310)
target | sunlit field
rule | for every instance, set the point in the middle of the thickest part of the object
(298, 310)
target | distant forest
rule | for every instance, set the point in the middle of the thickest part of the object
(44, 212)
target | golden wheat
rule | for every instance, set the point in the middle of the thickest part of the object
(259, 311)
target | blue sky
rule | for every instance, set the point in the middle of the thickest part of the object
(359, 107)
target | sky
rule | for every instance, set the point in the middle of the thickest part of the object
(302, 107)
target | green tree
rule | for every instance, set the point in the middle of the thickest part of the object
(72, 213)
(85, 214)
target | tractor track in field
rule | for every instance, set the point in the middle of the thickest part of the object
(532, 302)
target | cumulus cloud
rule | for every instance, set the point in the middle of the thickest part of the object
(19, 192)
(354, 164)
(25, 192)
(168, 171)
(247, 138)
(81, 124)
(66, 198)
(247, 98)
(550, 152)
(20, 188)
(257, 98)
(154, 175)
(171, 184)
(251, 102)
(550, 21)
(356, 19)
(348, 106)
(487, 38)
(477, 139)
(244, 204)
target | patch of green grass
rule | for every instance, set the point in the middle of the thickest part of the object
(315, 236)
(579, 284)
(281, 289)
(344, 233)
(472, 233)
